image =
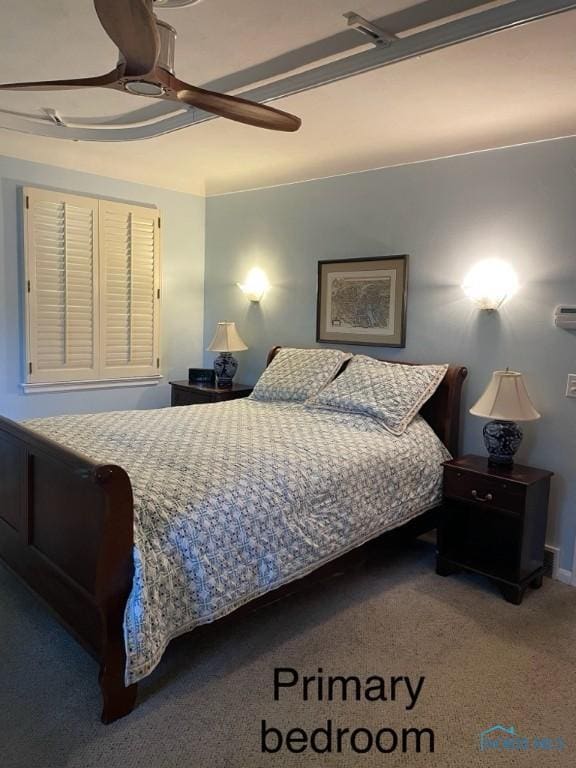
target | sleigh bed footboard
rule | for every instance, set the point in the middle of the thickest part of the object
(66, 529)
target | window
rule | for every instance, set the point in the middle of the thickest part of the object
(92, 292)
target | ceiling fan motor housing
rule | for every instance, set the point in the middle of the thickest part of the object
(167, 36)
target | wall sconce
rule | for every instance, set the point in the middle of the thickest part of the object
(255, 286)
(489, 283)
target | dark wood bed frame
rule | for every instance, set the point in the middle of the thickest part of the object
(66, 529)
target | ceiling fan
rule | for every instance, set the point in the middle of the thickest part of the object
(146, 67)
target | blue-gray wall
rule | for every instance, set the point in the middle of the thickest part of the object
(518, 204)
(182, 254)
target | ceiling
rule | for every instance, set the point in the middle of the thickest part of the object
(513, 87)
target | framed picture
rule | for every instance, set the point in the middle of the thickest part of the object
(363, 301)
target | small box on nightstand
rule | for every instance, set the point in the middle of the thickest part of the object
(202, 376)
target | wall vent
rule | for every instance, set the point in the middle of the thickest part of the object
(551, 562)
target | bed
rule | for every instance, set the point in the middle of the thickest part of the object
(183, 516)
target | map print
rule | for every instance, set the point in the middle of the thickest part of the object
(362, 303)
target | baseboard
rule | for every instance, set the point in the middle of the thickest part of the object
(565, 576)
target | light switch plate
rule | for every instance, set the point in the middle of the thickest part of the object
(571, 385)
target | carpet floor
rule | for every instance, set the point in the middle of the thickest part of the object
(485, 663)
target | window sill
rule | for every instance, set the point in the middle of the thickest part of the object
(74, 386)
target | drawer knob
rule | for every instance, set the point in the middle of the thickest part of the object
(476, 496)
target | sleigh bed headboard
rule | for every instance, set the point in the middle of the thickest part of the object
(442, 411)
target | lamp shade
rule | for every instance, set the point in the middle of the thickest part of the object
(226, 339)
(506, 399)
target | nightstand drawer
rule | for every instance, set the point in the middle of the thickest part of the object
(189, 397)
(483, 491)
(181, 397)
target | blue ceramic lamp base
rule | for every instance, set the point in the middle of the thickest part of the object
(225, 367)
(502, 440)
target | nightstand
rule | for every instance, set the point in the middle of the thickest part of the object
(494, 523)
(184, 393)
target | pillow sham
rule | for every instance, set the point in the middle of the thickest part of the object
(297, 374)
(393, 393)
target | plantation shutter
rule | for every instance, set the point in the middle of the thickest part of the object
(130, 280)
(61, 233)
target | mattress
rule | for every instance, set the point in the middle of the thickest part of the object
(234, 499)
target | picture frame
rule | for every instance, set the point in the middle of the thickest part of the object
(363, 301)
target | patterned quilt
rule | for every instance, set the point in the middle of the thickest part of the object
(234, 499)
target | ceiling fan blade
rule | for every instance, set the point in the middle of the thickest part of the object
(132, 27)
(61, 85)
(235, 108)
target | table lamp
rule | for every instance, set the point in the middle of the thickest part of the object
(505, 401)
(226, 340)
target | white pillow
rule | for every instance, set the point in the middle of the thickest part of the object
(297, 374)
(393, 393)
